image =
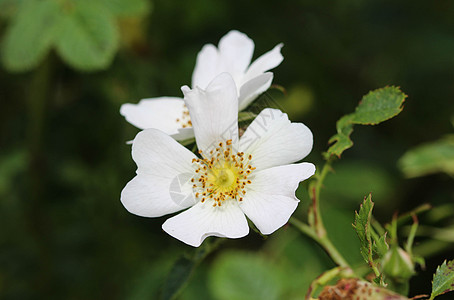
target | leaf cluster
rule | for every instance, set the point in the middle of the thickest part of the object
(375, 107)
(84, 33)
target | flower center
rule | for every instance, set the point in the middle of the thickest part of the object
(184, 121)
(221, 175)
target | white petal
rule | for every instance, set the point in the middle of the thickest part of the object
(266, 62)
(253, 88)
(184, 134)
(214, 112)
(273, 140)
(206, 66)
(236, 48)
(160, 113)
(154, 196)
(203, 220)
(270, 199)
(164, 169)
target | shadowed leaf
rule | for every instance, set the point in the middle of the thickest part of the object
(429, 158)
(184, 267)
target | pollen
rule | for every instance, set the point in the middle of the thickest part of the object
(185, 120)
(222, 174)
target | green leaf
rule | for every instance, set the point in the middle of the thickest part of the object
(362, 227)
(443, 281)
(342, 139)
(179, 276)
(183, 269)
(239, 275)
(128, 8)
(8, 8)
(11, 165)
(380, 246)
(377, 106)
(398, 265)
(429, 158)
(88, 39)
(30, 36)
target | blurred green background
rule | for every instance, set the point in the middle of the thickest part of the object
(64, 160)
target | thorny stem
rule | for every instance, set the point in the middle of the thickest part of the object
(319, 227)
(316, 230)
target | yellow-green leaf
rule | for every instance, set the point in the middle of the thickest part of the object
(29, 37)
(429, 158)
(128, 8)
(88, 39)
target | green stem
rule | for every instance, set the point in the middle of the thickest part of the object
(304, 228)
(411, 236)
(335, 255)
(324, 242)
(37, 96)
(316, 230)
(319, 227)
(323, 279)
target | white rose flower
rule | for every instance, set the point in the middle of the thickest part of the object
(234, 178)
(233, 56)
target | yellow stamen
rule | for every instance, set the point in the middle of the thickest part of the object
(221, 176)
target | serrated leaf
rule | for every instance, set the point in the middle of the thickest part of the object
(128, 8)
(30, 36)
(361, 225)
(88, 39)
(378, 106)
(342, 139)
(429, 158)
(443, 281)
(380, 246)
(375, 107)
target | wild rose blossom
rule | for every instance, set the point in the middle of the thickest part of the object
(233, 178)
(233, 55)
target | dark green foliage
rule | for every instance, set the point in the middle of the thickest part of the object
(64, 232)
(84, 33)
